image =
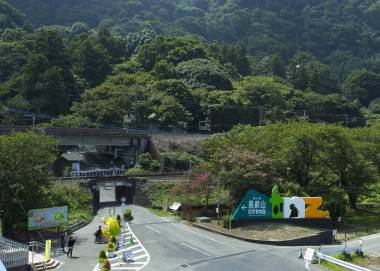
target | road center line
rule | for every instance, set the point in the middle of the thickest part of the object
(193, 248)
(202, 235)
(153, 229)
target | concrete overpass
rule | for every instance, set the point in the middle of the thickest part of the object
(85, 136)
(118, 142)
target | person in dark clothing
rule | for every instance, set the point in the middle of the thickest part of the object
(63, 242)
(70, 246)
(294, 212)
(99, 234)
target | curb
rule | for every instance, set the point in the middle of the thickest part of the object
(313, 240)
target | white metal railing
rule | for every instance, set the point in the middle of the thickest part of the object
(35, 247)
(341, 263)
(12, 253)
(97, 173)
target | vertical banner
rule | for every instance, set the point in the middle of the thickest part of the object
(47, 250)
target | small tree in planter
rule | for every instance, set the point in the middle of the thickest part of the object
(115, 242)
(128, 214)
(102, 259)
(111, 250)
(106, 266)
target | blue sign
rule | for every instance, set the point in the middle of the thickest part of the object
(253, 205)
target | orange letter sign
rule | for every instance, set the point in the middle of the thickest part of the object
(312, 209)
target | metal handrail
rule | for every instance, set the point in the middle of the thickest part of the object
(33, 245)
(13, 253)
(341, 263)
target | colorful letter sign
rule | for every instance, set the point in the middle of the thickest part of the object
(47, 218)
(256, 205)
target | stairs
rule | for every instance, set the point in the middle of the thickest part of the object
(39, 262)
(51, 264)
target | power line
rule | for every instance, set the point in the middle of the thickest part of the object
(17, 199)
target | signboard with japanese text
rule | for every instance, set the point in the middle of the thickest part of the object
(47, 218)
(256, 205)
(253, 205)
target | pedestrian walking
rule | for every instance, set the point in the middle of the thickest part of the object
(70, 246)
(63, 241)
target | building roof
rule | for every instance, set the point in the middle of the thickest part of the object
(73, 156)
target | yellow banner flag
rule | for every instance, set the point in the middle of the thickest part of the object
(47, 250)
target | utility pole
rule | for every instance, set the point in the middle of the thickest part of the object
(218, 207)
(346, 119)
(260, 115)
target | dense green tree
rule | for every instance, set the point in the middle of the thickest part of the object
(12, 57)
(79, 28)
(231, 54)
(241, 169)
(91, 61)
(362, 85)
(304, 72)
(115, 46)
(10, 17)
(164, 70)
(172, 49)
(171, 112)
(203, 73)
(25, 166)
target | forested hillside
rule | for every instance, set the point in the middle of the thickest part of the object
(344, 33)
(135, 64)
(10, 17)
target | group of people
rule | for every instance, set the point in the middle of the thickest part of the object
(68, 241)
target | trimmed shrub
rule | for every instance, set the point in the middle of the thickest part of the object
(128, 214)
(226, 221)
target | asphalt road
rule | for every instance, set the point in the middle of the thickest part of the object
(175, 246)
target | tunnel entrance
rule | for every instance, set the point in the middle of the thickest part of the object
(107, 193)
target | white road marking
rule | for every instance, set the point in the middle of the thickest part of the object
(153, 229)
(140, 257)
(307, 265)
(202, 235)
(165, 219)
(137, 248)
(193, 248)
(370, 237)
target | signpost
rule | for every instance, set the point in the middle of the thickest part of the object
(123, 207)
(47, 250)
(47, 218)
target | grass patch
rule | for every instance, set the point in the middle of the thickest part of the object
(163, 213)
(355, 259)
(360, 222)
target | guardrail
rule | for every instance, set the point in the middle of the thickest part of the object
(340, 250)
(341, 263)
(12, 253)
